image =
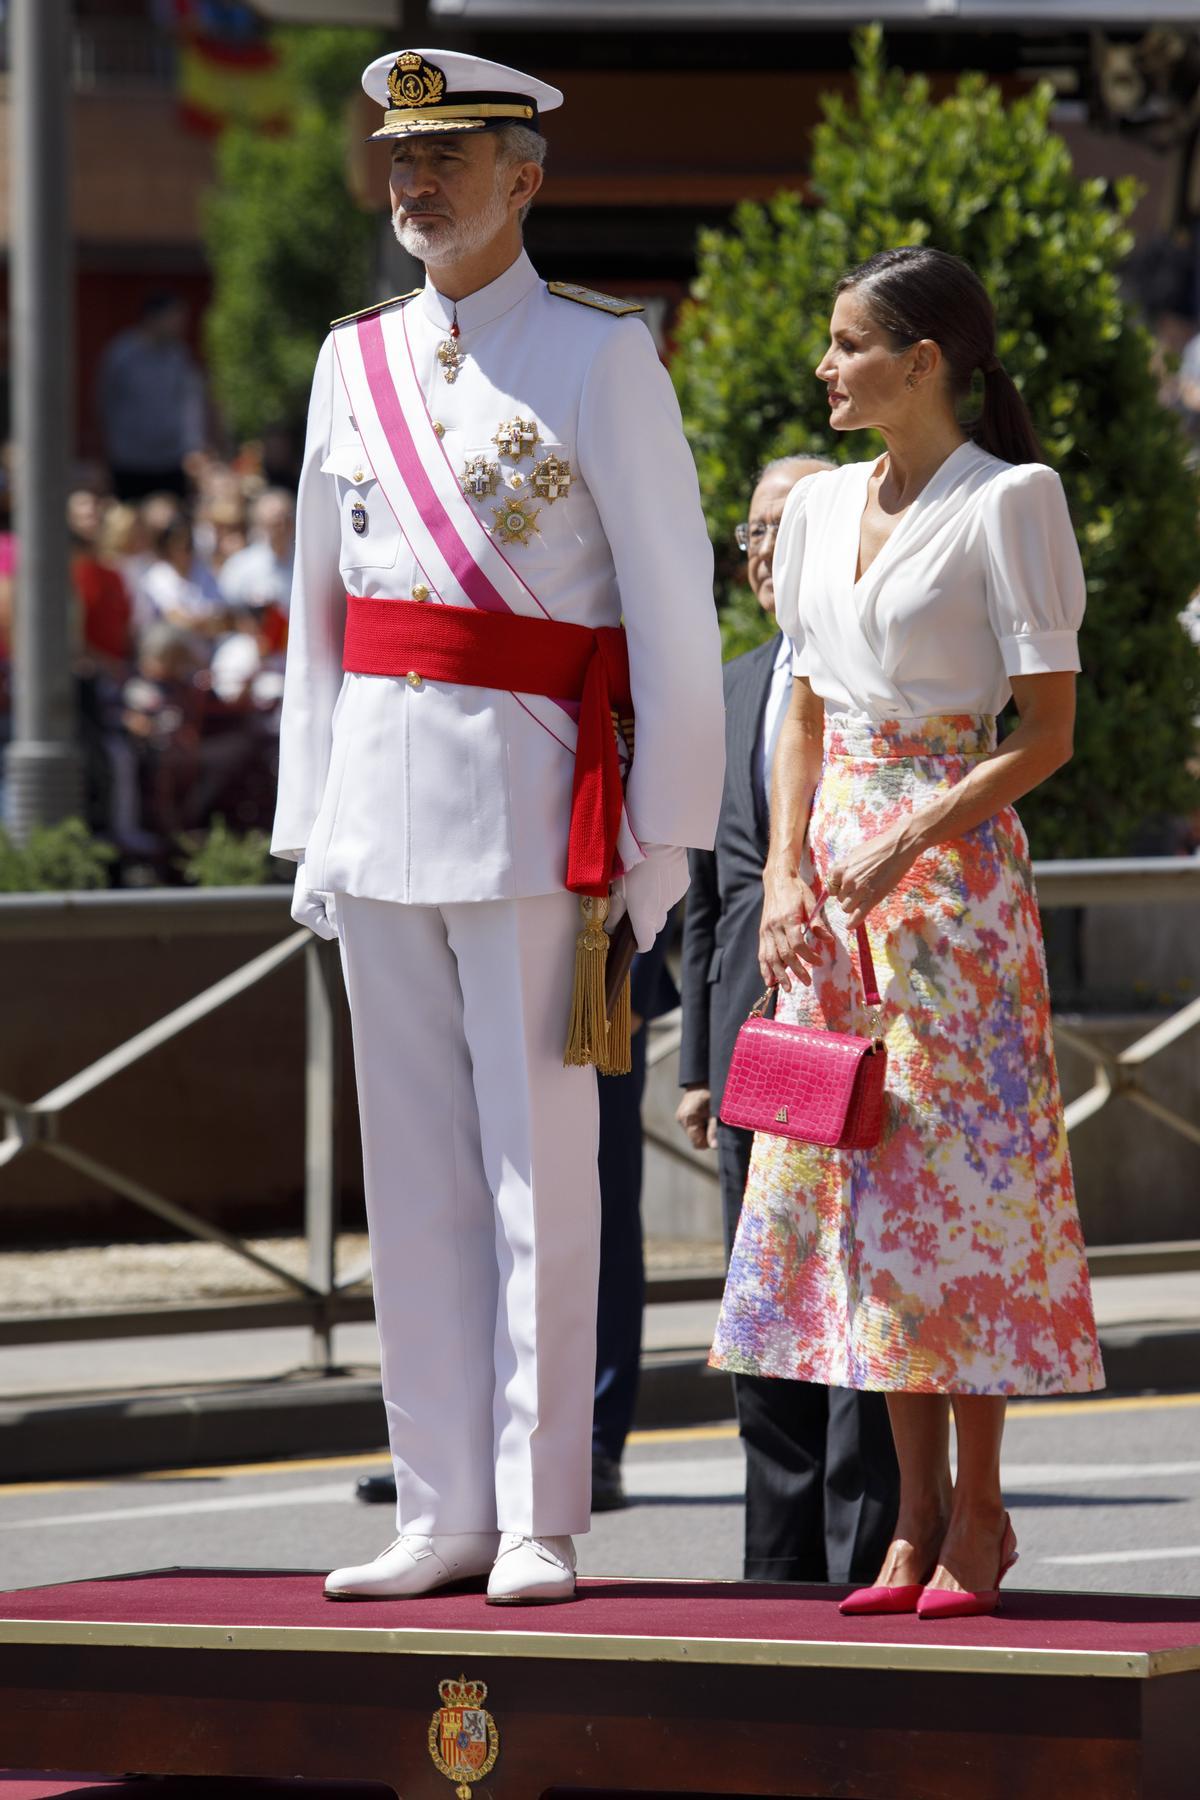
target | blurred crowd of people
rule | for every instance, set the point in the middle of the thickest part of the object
(180, 621)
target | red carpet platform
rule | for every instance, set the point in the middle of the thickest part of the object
(637, 1688)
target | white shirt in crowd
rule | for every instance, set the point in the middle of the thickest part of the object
(163, 593)
(255, 576)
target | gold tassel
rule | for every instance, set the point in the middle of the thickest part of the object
(594, 1039)
(619, 1056)
(587, 1034)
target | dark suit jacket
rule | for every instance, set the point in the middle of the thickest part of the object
(721, 981)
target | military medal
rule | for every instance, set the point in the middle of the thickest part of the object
(450, 354)
(358, 517)
(515, 521)
(517, 438)
(552, 479)
(479, 477)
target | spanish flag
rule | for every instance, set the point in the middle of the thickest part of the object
(229, 71)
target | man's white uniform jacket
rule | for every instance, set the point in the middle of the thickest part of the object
(436, 793)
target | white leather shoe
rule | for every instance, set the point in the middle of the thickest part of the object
(415, 1565)
(529, 1570)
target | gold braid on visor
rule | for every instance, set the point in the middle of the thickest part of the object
(409, 115)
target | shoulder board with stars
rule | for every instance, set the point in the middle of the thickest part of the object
(609, 303)
(366, 311)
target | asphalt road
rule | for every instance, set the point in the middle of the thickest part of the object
(1105, 1495)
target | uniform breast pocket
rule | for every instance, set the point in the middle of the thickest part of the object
(370, 536)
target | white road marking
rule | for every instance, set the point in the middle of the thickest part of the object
(694, 1478)
(1018, 1475)
(1182, 1552)
(685, 1478)
(174, 1509)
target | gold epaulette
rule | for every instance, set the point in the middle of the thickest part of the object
(609, 303)
(366, 311)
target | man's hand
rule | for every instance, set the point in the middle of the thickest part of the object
(317, 911)
(651, 889)
(697, 1119)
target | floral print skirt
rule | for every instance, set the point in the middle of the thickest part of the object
(949, 1258)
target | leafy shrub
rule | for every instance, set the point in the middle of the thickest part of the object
(224, 858)
(60, 859)
(993, 184)
(289, 247)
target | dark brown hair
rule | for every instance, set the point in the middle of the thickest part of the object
(916, 292)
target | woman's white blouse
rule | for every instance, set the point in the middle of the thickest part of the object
(980, 580)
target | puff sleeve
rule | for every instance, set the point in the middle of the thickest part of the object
(787, 565)
(1035, 584)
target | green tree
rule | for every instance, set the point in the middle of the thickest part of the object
(993, 184)
(289, 247)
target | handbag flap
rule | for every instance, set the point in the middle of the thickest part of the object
(793, 1080)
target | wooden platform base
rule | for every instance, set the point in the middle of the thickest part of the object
(636, 1689)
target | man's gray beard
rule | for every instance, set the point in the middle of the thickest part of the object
(464, 238)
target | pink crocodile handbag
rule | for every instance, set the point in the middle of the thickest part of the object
(818, 1087)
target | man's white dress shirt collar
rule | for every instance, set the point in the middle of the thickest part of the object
(486, 303)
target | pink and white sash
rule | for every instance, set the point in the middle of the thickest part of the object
(461, 562)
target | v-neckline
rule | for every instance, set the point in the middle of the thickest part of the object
(859, 579)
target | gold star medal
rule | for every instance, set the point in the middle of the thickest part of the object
(552, 479)
(517, 438)
(479, 477)
(515, 521)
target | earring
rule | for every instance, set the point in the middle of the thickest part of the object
(910, 381)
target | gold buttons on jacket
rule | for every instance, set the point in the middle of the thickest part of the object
(413, 679)
(420, 592)
(359, 475)
(439, 430)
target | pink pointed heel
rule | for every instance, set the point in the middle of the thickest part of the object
(881, 1600)
(960, 1603)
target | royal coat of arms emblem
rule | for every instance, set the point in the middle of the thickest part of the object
(463, 1740)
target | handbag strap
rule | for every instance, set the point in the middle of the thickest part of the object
(866, 962)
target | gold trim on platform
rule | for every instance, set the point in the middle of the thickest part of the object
(946, 1659)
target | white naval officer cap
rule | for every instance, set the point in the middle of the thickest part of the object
(428, 91)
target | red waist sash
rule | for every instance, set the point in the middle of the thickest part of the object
(527, 656)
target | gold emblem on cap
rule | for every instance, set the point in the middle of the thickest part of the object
(479, 477)
(515, 521)
(552, 479)
(414, 82)
(518, 438)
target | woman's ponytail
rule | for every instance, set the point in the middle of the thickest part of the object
(1004, 426)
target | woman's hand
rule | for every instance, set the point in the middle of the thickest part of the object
(787, 946)
(869, 874)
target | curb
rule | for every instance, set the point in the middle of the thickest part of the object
(329, 1415)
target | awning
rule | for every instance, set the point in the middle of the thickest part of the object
(1014, 14)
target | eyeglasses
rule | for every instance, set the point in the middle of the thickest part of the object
(755, 534)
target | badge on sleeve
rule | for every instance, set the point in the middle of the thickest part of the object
(358, 518)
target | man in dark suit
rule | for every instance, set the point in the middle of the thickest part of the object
(821, 1479)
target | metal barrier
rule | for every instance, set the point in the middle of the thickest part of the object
(321, 1299)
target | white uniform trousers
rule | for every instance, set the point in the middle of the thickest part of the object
(483, 1205)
